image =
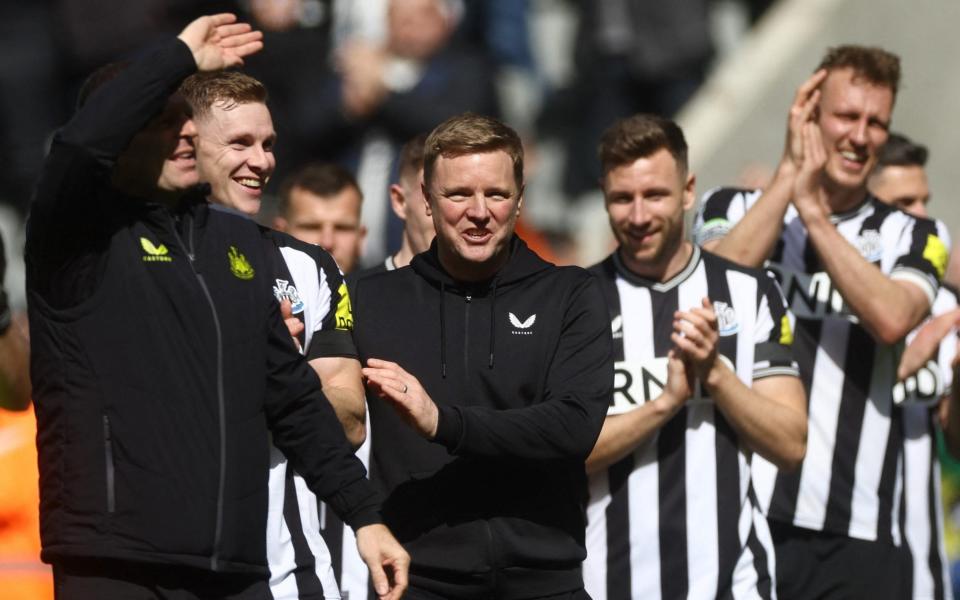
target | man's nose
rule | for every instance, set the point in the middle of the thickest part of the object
(477, 208)
(638, 211)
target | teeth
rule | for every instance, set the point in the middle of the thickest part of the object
(249, 182)
(851, 156)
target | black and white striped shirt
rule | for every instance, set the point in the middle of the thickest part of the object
(851, 478)
(922, 507)
(300, 563)
(350, 570)
(677, 518)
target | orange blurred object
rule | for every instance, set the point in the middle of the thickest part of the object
(22, 575)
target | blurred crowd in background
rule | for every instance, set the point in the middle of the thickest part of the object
(351, 81)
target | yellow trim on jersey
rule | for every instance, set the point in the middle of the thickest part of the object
(936, 254)
(786, 336)
(344, 314)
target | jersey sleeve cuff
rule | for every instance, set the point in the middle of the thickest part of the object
(919, 278)
(713, 229)
(759, 372)
(332, 342)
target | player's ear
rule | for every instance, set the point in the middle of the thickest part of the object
(398, 201)
(689, 192)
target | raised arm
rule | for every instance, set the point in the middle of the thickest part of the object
(66, 212)
(888, 307)
(751, 241)
(565, 425)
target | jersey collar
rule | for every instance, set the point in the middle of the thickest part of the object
(658, 286)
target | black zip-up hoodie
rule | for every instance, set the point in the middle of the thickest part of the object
(160, 362)
(520, 367)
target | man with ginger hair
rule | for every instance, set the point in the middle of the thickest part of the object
(155, 345)
(234, 141)
(858, 275)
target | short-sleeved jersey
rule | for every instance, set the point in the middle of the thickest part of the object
(922, 508)
(851, 477)
(307, 276)
(676, 518)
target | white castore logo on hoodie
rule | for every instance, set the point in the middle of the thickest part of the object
(522, 327)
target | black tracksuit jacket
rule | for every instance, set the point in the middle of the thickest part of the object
(160, 363)
(521, 370)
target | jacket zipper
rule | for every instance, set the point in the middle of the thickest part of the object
(466, 333)
(221, 484)
(108, 458)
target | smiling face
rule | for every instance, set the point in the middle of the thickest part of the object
(645, 201)
(854, 118)
(234, 146)
(162, 153)
(474, 200)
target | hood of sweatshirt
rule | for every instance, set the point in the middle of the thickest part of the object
(522, 264)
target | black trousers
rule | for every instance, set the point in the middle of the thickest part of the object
(815, 564)
(90, 579)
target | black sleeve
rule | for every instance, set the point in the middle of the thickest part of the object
(333, 332)
(70, 210)
(773, 332)
(568, 421)
(4, 304)
(307, 431)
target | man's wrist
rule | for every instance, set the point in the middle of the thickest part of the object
(666, 404)
(716, 374)
(786, 171)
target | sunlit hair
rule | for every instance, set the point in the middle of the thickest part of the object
(225, 89)
(640, 136)
(324, 180)
(875, 65)
(472, 134)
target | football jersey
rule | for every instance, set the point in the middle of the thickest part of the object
(676, 518)
(851, 478)
(308, 277)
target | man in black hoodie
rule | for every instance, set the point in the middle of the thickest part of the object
(161, 364)
(489, 372)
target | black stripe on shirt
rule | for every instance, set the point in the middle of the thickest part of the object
(760, 565)
(305, 573)
(726, 447)
(858, 370)
(671, 458)
(332, 533)
(618, 531)
(717, 206)
(806, 340)
(888, 477)
(933, 509)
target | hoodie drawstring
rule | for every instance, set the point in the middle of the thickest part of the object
(493, 322)
(443, 334)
